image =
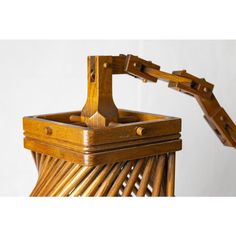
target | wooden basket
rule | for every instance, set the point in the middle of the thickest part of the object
(128, 159)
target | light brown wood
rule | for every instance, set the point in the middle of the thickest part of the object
(170, 185)
(148, 192)
(145, 178)
(57, 178)
(158, 175)
(130, 178)
(48, 167)
(86, 182)
(89, 146)
(133, 177)
(67, 177)
(72, 183)
(99, 109)
(104, 188)
(121, 178)
(91, 190)
(103, 151)
(57, 167)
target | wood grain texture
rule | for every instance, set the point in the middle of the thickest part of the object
(145, 178)
(130, 178)
(170, 186)
(158, 175)
(102, 150)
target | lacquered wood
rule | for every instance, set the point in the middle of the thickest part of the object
(151, 135)
(146, 173)
(170, 185)
(130, 178)
(102, 150)
(158, 175)
(133, 178)
(105, 186)
(91, 190)
(121, 178)
(79, 190)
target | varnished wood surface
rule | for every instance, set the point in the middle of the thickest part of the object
(170, 185)
(57, 136)
(158, 175)
(99, 109)
(58, 178)
(103, 151)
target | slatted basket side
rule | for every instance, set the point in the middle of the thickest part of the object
(150, 176)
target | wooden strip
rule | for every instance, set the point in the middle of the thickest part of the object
(164, 179)
(45, 176)
(42, 174)
(41, 161)
(37, 156)
(158, 175)
(34, 157)
(121, 178)
(58, 177)
(43, 169)
(135, 190)
(162, 191)
(148, 191)
(167, 77)
(144, 182)
(57, 167)
(100, 158)
(92, 188)
(109, 180)
(134, 175)
(122, 187)
(68, 176)
(170, 175)
(78, 177)
(86, 182)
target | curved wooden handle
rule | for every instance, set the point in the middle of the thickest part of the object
(189, 84)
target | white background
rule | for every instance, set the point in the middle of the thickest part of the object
(50, 76)
(150, 19)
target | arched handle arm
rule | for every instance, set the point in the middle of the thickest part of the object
(189, 84)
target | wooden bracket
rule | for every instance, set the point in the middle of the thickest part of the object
(135, 66)
(196, 87)
(99, 109)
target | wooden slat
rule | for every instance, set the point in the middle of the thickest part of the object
(37, 158)
(34, 157)
(46, 175)
(57, 167)
(148, 191)
(109, 180)
(134, 175)
(58, 177)
(158, 175)
(48, 165)
(86, 182)
(170, 186)
(121, 178)
(69, 175)
(144, 182)
(92, 188)
(41, 161)
(77, 178)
